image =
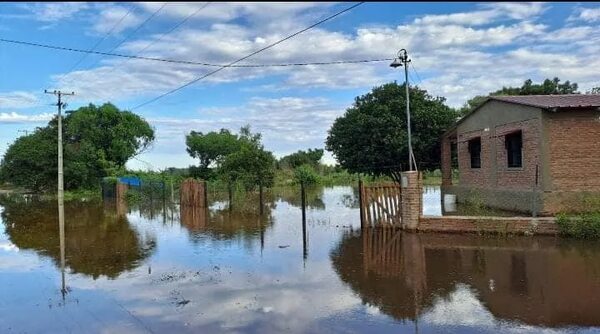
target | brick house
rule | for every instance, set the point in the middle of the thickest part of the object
(507, 143)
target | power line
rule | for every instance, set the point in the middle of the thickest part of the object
(249, 55)
(188, 62)
(102, 39)
(174, 27)
(138, 27)
(417, 73)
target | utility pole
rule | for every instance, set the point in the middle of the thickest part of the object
(400, 60)
(61, 189)
(26, 132)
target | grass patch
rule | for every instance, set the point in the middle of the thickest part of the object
(581, 225)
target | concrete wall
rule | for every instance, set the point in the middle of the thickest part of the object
(505, 199)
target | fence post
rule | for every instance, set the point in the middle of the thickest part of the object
(260, 198)
(412, 199)
(172, 192)
(230, 196)
(361, 204)
(205, 194)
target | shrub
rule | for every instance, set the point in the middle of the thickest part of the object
(583, 226)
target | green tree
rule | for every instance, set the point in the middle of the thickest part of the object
(311, 157)
(98, 141)
(371, 136)
(547, 87)
(251, 164)
(210, 149)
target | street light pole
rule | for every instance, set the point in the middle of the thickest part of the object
(61, 189)
(402, 60)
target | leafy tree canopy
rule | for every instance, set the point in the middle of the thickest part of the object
(595, 90)
(547, 87)
(371, 136)
(97, 141)
(232, 157)
(311, 157)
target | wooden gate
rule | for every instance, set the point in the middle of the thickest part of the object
(380, 205)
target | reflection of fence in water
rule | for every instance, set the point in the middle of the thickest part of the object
(382, 251)
(381, 205)
(193, 217)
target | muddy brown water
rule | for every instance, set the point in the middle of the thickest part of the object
(154, 269)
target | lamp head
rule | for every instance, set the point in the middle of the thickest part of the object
(396, 63)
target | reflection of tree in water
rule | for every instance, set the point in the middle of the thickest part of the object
(538, 281)
(98, 239)
(351, 200)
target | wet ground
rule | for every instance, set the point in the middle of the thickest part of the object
(154, 269)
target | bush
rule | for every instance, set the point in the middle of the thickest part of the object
(583, 226)
(306, 174)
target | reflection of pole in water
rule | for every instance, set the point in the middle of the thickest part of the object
(304, 241)
(61, 228)
(304, 235)
(303, 199)
(262, 237)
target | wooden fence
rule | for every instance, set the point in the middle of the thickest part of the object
(380, 205)
(193, 193)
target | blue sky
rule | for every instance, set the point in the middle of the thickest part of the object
(458, 50)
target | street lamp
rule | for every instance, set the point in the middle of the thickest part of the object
(402, 60)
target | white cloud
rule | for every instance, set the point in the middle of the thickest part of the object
(18, 99)
(491, 13)
(13, 117)
(458, 55)
(117, 17)
(586, 14)
(287, 125)
(55, 11)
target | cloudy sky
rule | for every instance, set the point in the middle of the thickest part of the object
(458, 50)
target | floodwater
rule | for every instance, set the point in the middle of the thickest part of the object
(152, 269)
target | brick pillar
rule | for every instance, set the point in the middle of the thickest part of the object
(412, 199)
(446, 159)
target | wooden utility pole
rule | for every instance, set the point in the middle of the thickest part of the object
(61, 190)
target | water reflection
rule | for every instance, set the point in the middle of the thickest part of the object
(541, 282)
(99, 239)
(156, 268)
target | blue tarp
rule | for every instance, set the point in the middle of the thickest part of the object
(131, 181)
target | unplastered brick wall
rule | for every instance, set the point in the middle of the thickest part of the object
(462, 224)
(574, 150)
(519, 178)
(473, 176)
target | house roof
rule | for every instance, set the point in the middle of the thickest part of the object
(553, 101)
(547, 102)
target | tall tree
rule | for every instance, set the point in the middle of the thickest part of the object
(250, 164)
(371, 136)
(547, 87)
(210, 149)
(98, 141)
(310, 157)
